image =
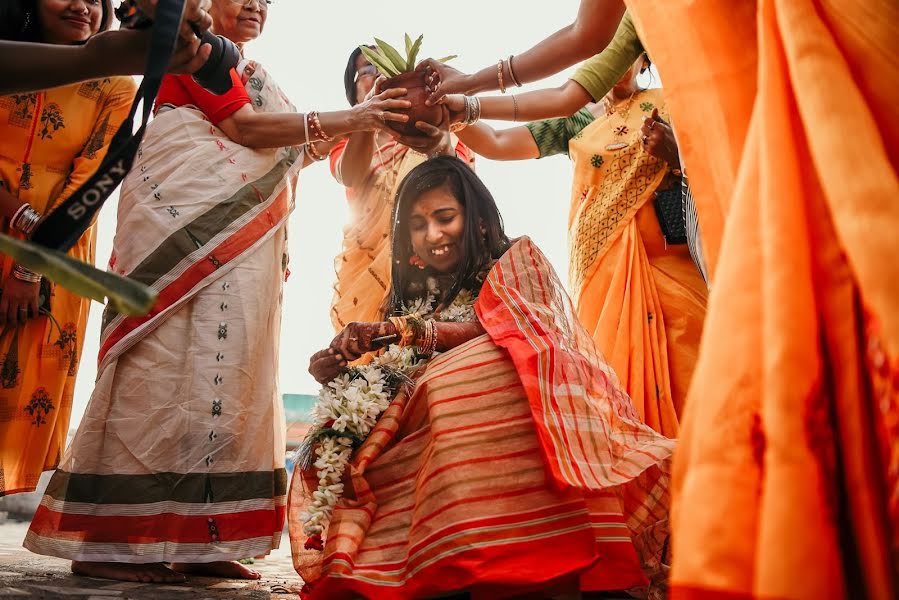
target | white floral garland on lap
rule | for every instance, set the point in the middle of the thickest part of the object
(349, 407)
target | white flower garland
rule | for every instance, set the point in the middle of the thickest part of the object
(350, 405)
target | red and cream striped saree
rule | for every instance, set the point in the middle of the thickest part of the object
(516, 465)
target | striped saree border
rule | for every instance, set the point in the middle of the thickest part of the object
(203, 517)
(202, 231)
(159, 508)
(160, 487)
(151, 529)
(152, 552)
(203, 250)
(121, 333)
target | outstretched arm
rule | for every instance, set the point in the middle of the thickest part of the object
(515, 143)
(590, 32)
(354, 163)
(562, 101)
(29, 67)
(252, 129)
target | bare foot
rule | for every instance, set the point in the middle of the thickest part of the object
(144, 573)
(222, 569)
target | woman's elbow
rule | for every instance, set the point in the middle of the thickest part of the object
(242, 130)
(237, 134)
(572, 98)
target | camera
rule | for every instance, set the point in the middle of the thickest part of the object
(215, 74)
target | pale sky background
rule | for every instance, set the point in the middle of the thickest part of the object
(305, 46)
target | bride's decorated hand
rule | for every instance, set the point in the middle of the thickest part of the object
(325, 365)
(357, 338)
(374, 113)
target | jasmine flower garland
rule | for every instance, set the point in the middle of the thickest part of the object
(349, 407)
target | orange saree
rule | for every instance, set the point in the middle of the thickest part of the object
(51, 142)
(787, 476)
(642, 301)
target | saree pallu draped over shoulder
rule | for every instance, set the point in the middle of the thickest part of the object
(180, 456)
(786, 481)
(516, 464)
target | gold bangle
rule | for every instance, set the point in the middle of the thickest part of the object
(426, 342)
(404, 330)
(23, 274)
(499, 76)
(512, 73)
(316, 125)
(514, 108)
(313, 153)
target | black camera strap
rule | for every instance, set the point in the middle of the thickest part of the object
(62, 228)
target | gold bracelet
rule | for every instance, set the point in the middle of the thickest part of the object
(512, 73)
(313, 153)
(316, 125)
(404, 330)
(514, 108)
(499, 76)
(427, 339)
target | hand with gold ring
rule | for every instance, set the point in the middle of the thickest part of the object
(658, 139)
(357, 338)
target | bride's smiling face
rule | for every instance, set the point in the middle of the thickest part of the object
(437, 227)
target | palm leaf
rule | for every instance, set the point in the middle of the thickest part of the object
(126, 296)
(408, 41)
(447, 58)
(380, 63)
(392, 55)
(413, 53)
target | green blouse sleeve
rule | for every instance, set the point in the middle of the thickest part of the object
(552, 135)
(600, 73)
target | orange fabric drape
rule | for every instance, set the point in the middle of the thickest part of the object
(642, 302)
(787, 475)
(363, 266)
(51, 142)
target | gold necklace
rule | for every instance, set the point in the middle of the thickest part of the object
(622, 129)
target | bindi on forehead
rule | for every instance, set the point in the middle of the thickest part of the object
(436, 207)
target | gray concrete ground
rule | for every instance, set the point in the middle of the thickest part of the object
(26, 575)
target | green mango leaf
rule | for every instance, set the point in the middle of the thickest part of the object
(447, 58)
(126, 296)
(413, 53)
(392, 55)
(380, 63)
